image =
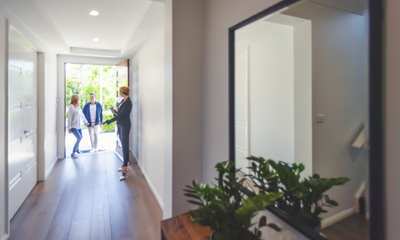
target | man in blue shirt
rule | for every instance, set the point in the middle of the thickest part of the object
(93, 112)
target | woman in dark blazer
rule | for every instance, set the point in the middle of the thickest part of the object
(122, 115)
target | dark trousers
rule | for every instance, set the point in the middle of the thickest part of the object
(123, 132)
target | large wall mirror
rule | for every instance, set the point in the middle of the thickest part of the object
(300, 93)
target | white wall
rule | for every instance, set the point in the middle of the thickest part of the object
(303, 94)
(50, 141)
(183, 100)
(340, 92)
(168, 166)
(61, 60)
(134, 96)
(148, 65)
(392, 116)
(47, 136)
(3, 128)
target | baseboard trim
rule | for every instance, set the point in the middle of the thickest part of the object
(336, 218)
(134, 155)
(48, 171)
(153, 189)
(357, 197)
(5, 237)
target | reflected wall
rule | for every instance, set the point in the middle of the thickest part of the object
(301, 95)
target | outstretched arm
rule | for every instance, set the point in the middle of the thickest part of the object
(123, 112)
(83, 118)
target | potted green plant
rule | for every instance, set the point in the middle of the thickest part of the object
(303, 199)
(227, 208)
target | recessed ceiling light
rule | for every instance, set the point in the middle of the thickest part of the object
(95, 39)
(94, 13)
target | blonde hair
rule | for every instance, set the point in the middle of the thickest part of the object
(125, 90)
(75, 100)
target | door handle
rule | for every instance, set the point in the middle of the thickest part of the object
(26, 132)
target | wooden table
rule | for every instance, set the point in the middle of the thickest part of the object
(182, 227)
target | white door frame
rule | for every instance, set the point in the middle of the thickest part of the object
(6, 221)
(61, 61)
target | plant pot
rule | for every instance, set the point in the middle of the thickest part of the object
(316, 226)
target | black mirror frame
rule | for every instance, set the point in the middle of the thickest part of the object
(376, 116)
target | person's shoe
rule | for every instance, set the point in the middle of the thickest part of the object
(123, 177)
(122, 167)
(74, 155)
(92, 150)
(95, 150)
(124, 174)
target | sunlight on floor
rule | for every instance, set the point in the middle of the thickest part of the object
(106, 142)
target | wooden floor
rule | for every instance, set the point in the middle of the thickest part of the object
(83, 199)
(354, 227)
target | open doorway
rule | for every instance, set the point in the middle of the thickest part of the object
(84, 79)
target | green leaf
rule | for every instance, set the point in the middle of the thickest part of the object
(192, 196)
(195, 203)
(189, 190)
(332, 202)
(275, 227)
(262, 222)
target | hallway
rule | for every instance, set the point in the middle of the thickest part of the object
(84, 199)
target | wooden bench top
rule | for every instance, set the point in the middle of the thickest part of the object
(182, 227)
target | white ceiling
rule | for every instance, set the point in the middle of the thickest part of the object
(354, 6)
(65, 26)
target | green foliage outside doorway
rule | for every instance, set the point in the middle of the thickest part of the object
(84, 79)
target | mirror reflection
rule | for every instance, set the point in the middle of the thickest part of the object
(301, 96)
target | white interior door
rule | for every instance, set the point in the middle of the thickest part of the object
(22, 122)
(241, 109)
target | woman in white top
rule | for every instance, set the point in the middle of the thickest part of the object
(74, 116)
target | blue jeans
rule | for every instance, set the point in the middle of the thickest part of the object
(78, 134)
